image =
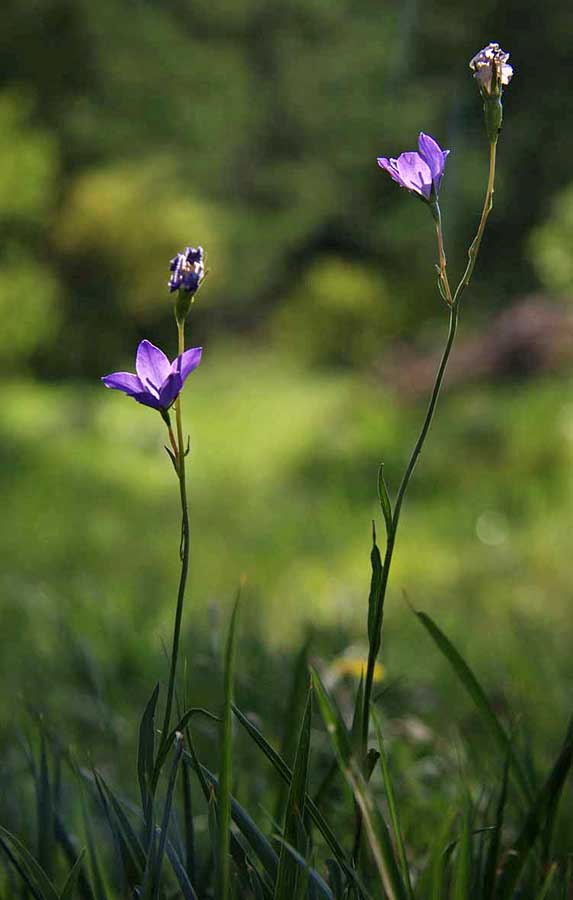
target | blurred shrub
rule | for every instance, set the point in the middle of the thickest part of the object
(125, 221)
(28, 164)
(29, 305)
(338, 313)
(550, 245)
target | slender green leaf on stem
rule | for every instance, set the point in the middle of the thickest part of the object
(259, 843)
(392, 808)
(374, 824)
(548, 882)
(36, 877)
(287, 877)
(478, 695)
(69, 845)
(375, 601)
(224, 792)
(285, 773)
(146, 759)
(384, 500)
(492, 859)
(319, 884)
(544, 803)
(71, 880)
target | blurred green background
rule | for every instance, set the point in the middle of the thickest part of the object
(128, 130)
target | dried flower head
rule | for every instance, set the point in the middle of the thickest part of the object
(187, 270)
(490, 68)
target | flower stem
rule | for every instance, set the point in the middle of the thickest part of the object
(442, 264)
(393, 528)
(184, 550)
(475, 244)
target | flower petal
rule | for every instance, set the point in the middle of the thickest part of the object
(148, 399)
(431, 151)
(415, 173)
(170, 388)
(123, 381)
(390, 166)
(152, 366)
(188, 361)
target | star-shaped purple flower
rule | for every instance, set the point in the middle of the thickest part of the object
(187, 270)
(419, 172)
(158, 382)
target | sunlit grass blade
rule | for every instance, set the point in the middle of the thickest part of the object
(392, 807)
(374, 824)
(492, 858)
(146, 759)
(478, 695)
(71, 881)
(261, 846)
(288, 872)
(224, 792)
(28, 867)
(544, 804)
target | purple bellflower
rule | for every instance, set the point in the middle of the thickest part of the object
(158, 382)
(419, 172)
(187, 270)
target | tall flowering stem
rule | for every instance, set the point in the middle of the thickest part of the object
(453, 300)
(184, 548)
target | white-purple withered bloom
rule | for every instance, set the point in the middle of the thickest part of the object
(187, 270)
(158, 382)
(490, 67)
(419, 171)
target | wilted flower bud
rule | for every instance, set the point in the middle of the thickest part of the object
(492, 71)
(187, 272)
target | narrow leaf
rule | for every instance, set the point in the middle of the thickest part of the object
(37, 878)
(288, 872)
(71, 880)
(478, 695)
(146, 758)
(492, 859)
(384, 500)
(224, 792)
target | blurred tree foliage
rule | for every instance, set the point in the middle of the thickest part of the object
(252, 126)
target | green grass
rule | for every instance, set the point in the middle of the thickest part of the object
(282, 489)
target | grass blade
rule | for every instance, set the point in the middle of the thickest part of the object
(463, 864)
(293, 831)
(45, 812)
(180, 873)
(158, 861)
(384, 498)
(478, 695)
(260, 844)
(34, 874)
(224, 793)
(548, 882)
(68, 888)
(131, 851)
(545, 803)
(392, 808)
(492, 859)
(374, 824)
(319, 884)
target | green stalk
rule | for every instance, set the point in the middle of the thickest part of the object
(392, 524)
(184, 550)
